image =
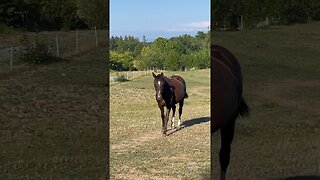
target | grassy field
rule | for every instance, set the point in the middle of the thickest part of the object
(53, 126)
(53, 120)
(281, 72)
(137, 148)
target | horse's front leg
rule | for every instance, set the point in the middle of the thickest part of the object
(166, 119)
(162, 118)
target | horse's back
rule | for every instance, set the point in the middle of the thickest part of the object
(222, 55)
(179, 78)
(227, 86)
(179, 87)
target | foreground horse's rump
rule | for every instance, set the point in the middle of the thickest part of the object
(169, 92)
(227, 103)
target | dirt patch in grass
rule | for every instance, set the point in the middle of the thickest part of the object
(134, 174)
(135, 142)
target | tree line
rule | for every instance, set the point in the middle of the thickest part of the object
(37, 15)
(177, 53)
(246, 14)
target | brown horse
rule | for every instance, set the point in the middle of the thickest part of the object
(227, 103)
(169, 92)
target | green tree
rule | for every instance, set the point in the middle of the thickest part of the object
(177, 53)
(200, 59)
(121, 61)
(94, 12)
(173, 61)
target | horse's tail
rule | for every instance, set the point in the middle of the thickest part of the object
(243, 109)
(186, 96)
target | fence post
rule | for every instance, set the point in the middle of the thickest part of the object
(77, 41)
(11, 57)
(96, 34)
(57, 43)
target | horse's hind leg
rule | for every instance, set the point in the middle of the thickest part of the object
(173, 113)
(180, 112)
(227, 133)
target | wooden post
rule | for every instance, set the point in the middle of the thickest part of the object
(11, 58)
(96, 34)
(77, 41)
(57, 44)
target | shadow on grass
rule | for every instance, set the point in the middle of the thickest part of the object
(205, 175)
(301, 178)
(189, 123)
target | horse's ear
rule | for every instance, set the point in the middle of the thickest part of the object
(161, 73)
(154, 75)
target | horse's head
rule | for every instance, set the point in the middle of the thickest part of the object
(158, 85)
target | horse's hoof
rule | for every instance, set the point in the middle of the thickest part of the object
(164, 134)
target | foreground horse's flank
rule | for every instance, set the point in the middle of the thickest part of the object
(169, 92)
(227, 102)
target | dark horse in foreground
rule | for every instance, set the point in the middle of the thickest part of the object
(227, 103)
(169, 92)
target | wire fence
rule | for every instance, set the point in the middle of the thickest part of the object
(63, 44)
(131, 75)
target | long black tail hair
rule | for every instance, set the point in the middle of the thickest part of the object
(243, 108)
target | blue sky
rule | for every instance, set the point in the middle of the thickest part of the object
(158, 18)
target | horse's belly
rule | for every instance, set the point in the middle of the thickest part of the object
(226, 95)
(179, 94)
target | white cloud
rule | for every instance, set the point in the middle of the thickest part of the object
(193, 26)
(200, 24)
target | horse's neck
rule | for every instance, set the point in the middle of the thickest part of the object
(167, 88)
(169, 81)
(166, 82)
